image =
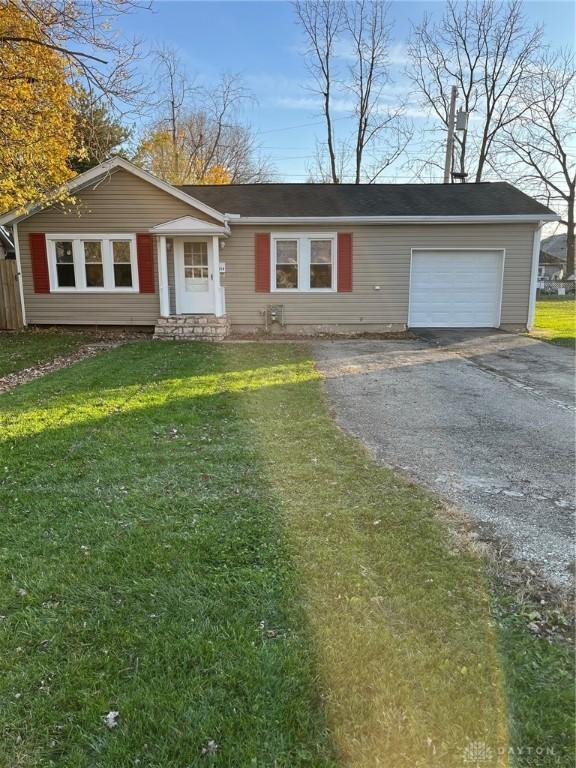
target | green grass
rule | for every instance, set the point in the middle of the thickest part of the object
(188, 539)
(556, 321)
(24, 349)
(539, 678)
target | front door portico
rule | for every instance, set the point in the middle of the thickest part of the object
(196, 262)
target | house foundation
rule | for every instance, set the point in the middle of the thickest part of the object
(192, 327)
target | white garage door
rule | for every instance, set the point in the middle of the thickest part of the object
(455, 289)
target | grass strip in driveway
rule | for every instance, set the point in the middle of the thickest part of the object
(190, 541)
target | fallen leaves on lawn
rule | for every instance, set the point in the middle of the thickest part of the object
(12, 380)
(210, 748)
(111, 719)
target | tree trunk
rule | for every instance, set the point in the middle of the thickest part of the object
(358, 162)
(570, 236)
(331, 151)
(174, 141)
(481, 161)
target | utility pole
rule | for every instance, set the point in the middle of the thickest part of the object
(450, 139)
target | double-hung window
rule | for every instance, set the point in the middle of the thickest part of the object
(303, 263)
(122, 259)
(287, 277)
(64, 271)
(92, 263)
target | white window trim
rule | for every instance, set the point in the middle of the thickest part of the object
(79, 266)
(303, 239)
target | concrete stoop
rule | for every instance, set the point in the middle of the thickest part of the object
(192, 327)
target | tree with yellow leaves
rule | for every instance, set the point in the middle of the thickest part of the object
(180, 164)
(36, 114)
(50, 52)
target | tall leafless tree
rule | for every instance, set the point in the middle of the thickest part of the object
(322, 24)
(197, 129)
(174, 90)
(347, 54)
(366, 23)
(539, 149)
(485, 48)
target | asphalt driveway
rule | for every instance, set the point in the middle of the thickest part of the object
(485, 419)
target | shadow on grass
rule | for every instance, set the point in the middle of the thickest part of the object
(561, 341)
(145, 572)
(79, 396)
(231, 567)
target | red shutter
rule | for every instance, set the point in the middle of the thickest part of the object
(39, 261)
(344, 261)
(145, 262)
(262, 262)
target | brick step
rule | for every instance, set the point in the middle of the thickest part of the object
(192, 327)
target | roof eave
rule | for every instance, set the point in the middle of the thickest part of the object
(506, 219)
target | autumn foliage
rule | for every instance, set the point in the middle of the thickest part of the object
(180, 163)
(36, 113)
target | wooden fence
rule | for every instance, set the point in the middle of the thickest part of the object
(10, 307)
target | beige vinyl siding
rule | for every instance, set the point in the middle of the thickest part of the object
(123, 203)
(381, 257)
(120, 203)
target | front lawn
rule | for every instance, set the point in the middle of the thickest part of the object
(555, 321)
(30, 347)
(190, 541)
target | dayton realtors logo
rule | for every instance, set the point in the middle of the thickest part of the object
(480, 754)
(477, 752)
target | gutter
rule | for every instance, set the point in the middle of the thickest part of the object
(235, 219)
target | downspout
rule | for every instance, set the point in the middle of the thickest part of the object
(534, 275)
(19, 267)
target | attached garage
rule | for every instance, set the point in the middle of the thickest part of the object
(455, 288)
(298, 258)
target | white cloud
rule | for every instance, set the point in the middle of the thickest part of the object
(399, 54)
(313, 103)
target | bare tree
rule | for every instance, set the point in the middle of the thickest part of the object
(322, 23)
(357, 32)
(366, 23)
(539, 149)
(175, 89)
(83, 33)
(485, 48)
(198, 136)
(320, 171)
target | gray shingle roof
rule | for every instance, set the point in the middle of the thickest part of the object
(315, 200)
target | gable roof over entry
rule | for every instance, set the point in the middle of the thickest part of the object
(189, 225)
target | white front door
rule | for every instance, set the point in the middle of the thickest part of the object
(194, 277)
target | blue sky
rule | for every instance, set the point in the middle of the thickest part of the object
(261, 41)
